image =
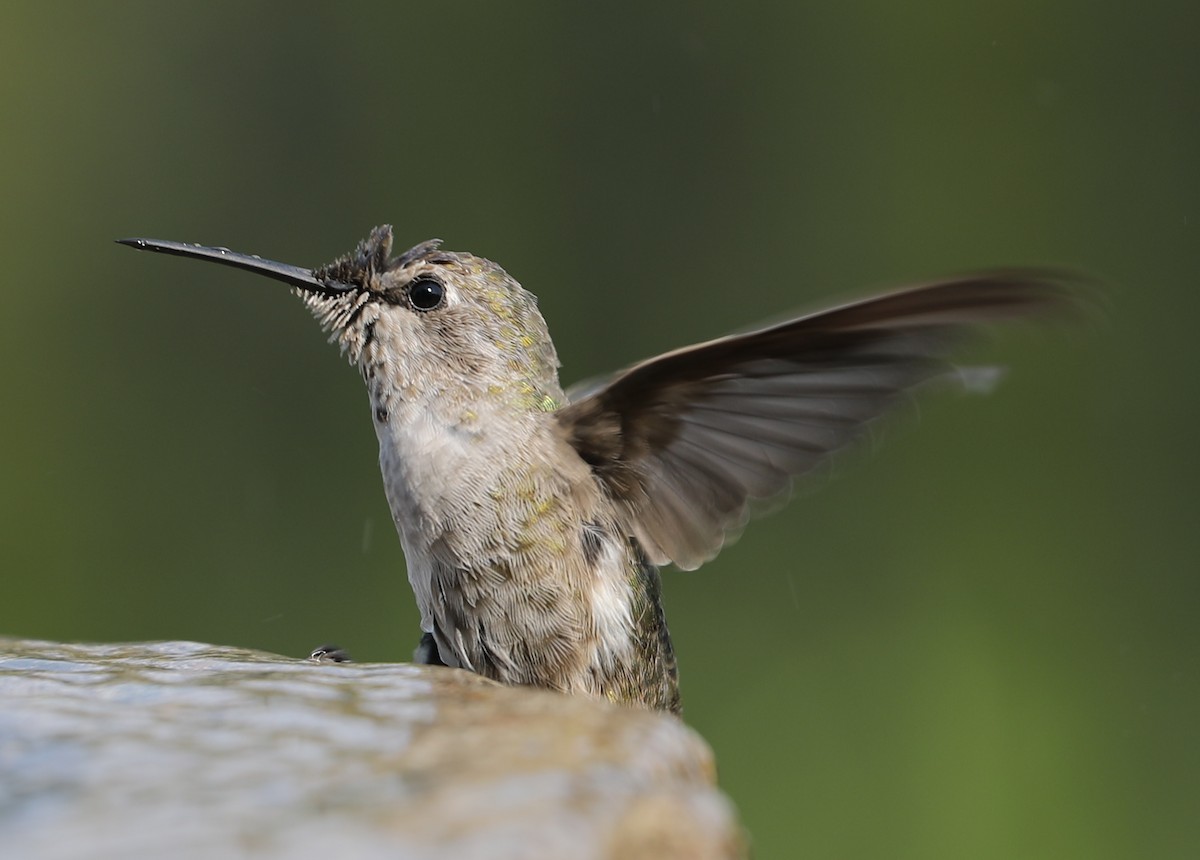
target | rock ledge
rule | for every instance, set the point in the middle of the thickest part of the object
(183, 750)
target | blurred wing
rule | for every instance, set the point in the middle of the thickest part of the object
(687, 439)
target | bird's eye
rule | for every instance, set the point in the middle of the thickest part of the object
(426, 294)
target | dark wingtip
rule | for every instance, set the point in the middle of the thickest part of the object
(1054, 293)
(995, 295)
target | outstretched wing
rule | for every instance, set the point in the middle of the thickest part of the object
(687, 439)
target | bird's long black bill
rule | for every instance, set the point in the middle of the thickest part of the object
(293, 275)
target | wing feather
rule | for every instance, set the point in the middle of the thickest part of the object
(688, 440)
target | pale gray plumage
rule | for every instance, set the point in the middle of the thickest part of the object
(532, 524)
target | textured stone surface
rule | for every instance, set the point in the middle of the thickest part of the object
(185, 750)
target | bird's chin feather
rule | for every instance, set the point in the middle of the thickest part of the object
(347, 318)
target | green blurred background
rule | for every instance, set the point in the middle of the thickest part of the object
(982, 643)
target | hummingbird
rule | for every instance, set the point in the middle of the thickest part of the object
(534, 520)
